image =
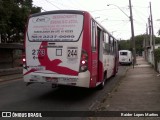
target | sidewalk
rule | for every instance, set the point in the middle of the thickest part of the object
(139, 90)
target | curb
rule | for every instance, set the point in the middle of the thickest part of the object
(10, 77)
(11, 71)
(98, 106)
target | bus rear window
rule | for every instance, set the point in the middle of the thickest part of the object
(123, 53)
(55, 28)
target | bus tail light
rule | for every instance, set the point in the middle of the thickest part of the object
(84, 62)
(24, 61)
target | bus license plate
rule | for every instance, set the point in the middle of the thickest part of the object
(35, 77)
(51, 79)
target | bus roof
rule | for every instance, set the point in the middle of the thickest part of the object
(71, 12)
(59, 11)
(124, 51)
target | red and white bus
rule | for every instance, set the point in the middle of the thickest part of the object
(68, 47)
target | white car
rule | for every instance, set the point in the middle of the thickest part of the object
(125, 57)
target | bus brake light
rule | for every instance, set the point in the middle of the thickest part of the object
(24, 60)
(84, 62)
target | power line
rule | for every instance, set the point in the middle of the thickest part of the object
(140, 16)
(118, 8)
(52, 4)
(79, 4)
(66, 5)
(118, 20)
(102, 10)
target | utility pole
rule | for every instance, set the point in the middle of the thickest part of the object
(152, 37)
(145, 43)
(132, 32)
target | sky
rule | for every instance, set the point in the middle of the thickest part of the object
(112, 14)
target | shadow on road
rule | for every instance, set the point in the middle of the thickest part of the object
(65, 93)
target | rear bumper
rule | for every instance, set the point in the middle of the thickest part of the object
(82, 80)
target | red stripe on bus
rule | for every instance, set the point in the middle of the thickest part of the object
(53, 65)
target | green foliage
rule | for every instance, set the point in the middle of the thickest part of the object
(157, 54)
(139, 43)
(13, 17)
(127, 44)
(157, 40)
(124, 45)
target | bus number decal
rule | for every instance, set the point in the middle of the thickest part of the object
(38, 52)
(72, 52)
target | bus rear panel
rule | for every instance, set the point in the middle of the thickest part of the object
(68, 47)
(125, 57)
(54, 51)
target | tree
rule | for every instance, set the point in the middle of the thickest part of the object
(139, 43)
(127, 44)
(159, 32)
(157, 40)
(13, 17)
(124, 45)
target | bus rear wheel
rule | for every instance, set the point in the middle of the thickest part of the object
(101, 86)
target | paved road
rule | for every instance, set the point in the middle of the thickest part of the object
(15, 96)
